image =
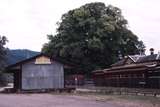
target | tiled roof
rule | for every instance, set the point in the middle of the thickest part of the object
(119, 63)
(138, 59)
(148, 58)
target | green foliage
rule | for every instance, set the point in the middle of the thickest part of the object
(3, 41)
(92, 36)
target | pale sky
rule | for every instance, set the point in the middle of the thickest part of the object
(27, 22)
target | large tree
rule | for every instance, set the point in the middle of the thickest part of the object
(93, 36)
(3, 40)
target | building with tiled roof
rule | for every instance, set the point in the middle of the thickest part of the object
(131, 71)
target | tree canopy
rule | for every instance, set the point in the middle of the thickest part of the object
(93, 36)
(3, 41)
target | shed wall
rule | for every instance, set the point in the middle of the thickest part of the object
(42, 76)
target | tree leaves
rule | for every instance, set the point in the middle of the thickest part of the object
(3, 41)
(92, 35)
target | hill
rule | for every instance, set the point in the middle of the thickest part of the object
(17, 55)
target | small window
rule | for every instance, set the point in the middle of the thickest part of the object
(43, 60)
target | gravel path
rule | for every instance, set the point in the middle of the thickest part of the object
(49, 100)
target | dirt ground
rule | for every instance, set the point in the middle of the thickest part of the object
(75, 100)
(127, 100)
(49, 100)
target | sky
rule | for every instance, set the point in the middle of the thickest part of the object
(27, 22)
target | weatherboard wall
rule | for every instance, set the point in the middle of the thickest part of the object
(42, 76)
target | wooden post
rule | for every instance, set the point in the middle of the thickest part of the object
(146, 79)
(20, 78)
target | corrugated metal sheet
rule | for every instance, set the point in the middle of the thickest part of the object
(42, 76)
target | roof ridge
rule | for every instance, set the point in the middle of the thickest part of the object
(136, 57)
(131, 58)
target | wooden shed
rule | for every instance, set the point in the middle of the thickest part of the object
(39, 73)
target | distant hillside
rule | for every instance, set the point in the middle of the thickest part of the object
(17, 55)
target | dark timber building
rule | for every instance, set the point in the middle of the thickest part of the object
(132, 71)
(39, 72)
